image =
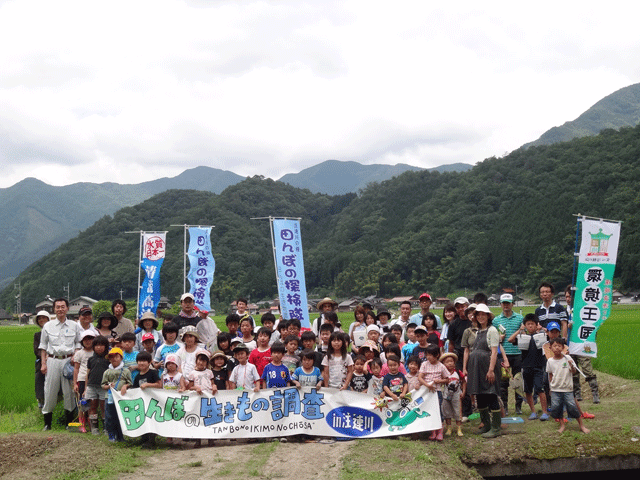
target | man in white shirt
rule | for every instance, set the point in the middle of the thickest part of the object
(59, 340)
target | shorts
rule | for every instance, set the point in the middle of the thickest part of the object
(564, 399)
(533, 379)
(95, 393)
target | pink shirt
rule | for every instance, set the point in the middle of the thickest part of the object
(433, 371)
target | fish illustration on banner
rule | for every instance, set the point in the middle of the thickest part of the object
(153, 250)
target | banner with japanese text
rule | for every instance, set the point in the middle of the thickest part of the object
(274, 413)
(153, 249)
(292, 288)
(594, 284)
(201, 266)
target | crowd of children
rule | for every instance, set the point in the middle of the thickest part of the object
(379, 359)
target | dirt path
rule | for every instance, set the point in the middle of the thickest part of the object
(232, 460)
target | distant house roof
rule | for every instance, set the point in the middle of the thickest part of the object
(403, 299)
(4, 315)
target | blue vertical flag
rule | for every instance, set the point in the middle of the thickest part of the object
(153, 249)
(292, 287)
(201, 266)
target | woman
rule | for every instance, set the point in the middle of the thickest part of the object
(484, 372)
(358, 329)
(42, 317)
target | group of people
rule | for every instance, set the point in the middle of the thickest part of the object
(461, 357)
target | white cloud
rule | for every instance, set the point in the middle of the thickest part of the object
(145, 89)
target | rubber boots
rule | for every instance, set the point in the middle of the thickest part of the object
(95, 427)
(485, 418)
(594, 390)
(496, 425)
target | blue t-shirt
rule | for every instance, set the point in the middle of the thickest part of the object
(307, 379)
(129, 360)
(276, 376)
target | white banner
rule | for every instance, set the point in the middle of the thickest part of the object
(273, 413)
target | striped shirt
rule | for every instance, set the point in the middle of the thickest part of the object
(555, 313)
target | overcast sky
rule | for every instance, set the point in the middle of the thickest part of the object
(134, 90)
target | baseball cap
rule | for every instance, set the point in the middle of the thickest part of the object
(461, 301)
(425, 296)
(506, 297)
(553, 326)
(187, 295)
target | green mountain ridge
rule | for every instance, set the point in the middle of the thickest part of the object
(508, 221)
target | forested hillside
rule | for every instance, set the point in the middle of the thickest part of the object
(507, 221)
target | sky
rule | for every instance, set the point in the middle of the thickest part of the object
(130, 91)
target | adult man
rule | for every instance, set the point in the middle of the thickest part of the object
(405, 314)
(324, 306)
(241, 310)
(425, 305)
(507, 323)
(188, 314)
(583, 363)
(59, 340)
(85, 319)
(119, 308)
(550, 310)
(456, 330)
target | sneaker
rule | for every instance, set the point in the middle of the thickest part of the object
(46, 428)
(588, 415)
(533, 416)
(518, 411)
(465, 419)
(544, 417)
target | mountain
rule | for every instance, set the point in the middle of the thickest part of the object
(337, 178)
(36, 217)
(483, 229)
(620, 109)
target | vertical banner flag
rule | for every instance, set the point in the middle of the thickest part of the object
(594, 284)
(153, 248)
(292, 287)
(201, 266)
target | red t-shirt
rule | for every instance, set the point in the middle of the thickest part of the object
(260, 359)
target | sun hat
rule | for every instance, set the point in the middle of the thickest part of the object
(189, 330)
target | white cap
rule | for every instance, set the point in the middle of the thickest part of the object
(506, 297)
(187, 295)
(461, 301)
(373, 328)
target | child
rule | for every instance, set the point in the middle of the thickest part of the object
(148, 343)
(130, 354)
(373, 333)
(147, 378)
(307, 375)
(261, 355)
(455, 390)
(187, 353)
(358, 329)
(420, 350)
(396, 330)
(430, 323)
(200, 378)
(148, 323)
(294, 327)
(533, 364)
(387, 339)
(268, 321)
(413, 375)
(308, 340)
(326, 330)
(394, 383)
(291, 360)
(170, 346)
(220, 370)
(233, 322)
(392, 349)
(338, 366)
(561, 368)
(246, 330)
(407, 349)
(433, 373)
(80, 359)
(96, 366)
(116, 376)
(375, 382)
(276, 375)
(106, 324)
(172, 379)
(244, 376)
(360, 379)
(370, 350)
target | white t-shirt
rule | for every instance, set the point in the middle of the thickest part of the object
(245, 376)
(562, 378)
(337, 369)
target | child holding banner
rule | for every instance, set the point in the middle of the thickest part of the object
(244, 375)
